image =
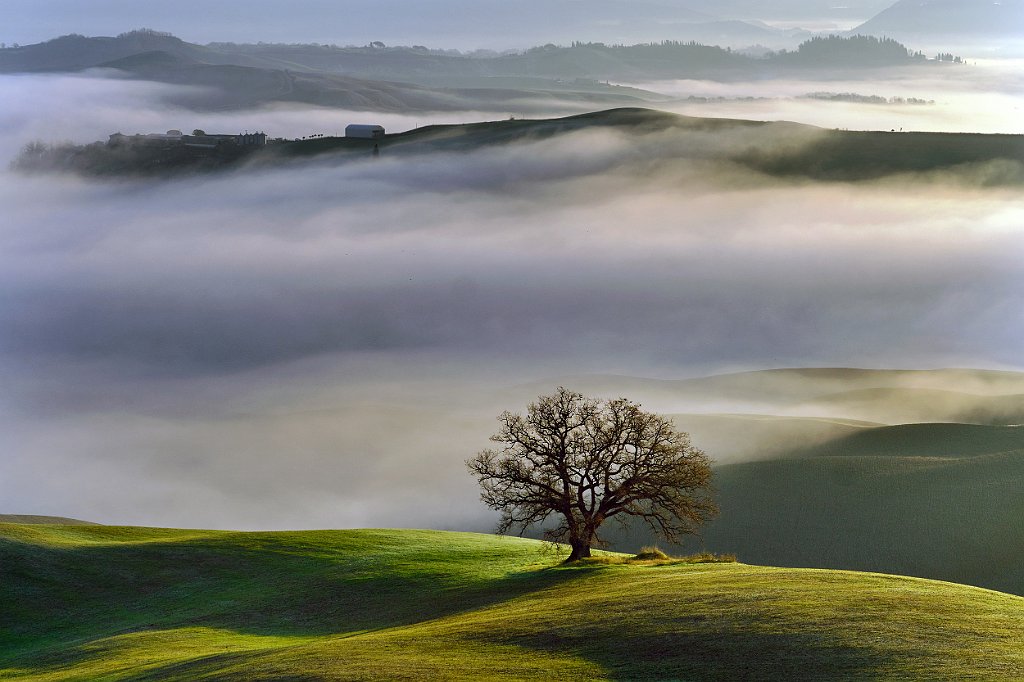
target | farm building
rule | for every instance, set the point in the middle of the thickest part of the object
(367, 132)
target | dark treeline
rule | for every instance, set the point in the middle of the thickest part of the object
(847, 51)
(101, 159)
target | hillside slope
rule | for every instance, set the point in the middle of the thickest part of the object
(34, 519)
(779, 149)
(943, 501)
(907, 405)
(137, 603)
(948, 18)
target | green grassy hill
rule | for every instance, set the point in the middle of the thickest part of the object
(34, 519)
(942, 501)
(923, 441)
(139, 603)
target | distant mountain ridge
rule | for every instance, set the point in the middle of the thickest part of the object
(948, 18)
(419, 65)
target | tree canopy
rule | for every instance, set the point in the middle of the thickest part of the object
(584, 460)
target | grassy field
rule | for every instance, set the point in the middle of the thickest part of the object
(98, 602)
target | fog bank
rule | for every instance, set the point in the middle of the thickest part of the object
(323, 346)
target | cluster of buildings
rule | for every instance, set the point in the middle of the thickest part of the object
(198, 139)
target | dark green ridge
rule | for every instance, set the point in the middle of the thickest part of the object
(923, 440)
(806, 152)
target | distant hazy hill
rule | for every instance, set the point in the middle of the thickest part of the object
(953, 18)
(921, 405)
(731, 438)
(790, 9)
(784, 388)
(235, 86)
(76, 52)
(580, 65)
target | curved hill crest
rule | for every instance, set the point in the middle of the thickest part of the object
(390, 604)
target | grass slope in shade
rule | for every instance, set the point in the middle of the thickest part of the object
(944, 517)
(96, 602)
(941, 501)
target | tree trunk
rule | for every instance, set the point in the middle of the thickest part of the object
(580, 550)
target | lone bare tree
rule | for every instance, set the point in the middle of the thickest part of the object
(584, 461)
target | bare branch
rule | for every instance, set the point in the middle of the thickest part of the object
(586, 460)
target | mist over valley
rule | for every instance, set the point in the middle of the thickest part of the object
(264, 331)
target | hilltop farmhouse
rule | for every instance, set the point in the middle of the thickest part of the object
(364, 131)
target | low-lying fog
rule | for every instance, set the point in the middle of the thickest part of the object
(324, 346)
(981, 96)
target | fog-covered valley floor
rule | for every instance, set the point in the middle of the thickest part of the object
(324, 345)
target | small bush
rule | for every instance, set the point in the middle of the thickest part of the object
(653, 556)
(650, 554)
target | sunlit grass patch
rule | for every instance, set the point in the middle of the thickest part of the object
(654, 556)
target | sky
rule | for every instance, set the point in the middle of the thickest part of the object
(462, 24)
(324, 346)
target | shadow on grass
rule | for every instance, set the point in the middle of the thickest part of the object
(58, 599)
(701, 648)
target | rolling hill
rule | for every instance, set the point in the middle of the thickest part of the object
(43, 520)
(734, 438)
(233, 77)
(787, 151)
(906, 405)
(138, 603)
(232, 86)
(559, 70)
(942, 501)
(938, 500)
(923, 440)
(948, 18)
